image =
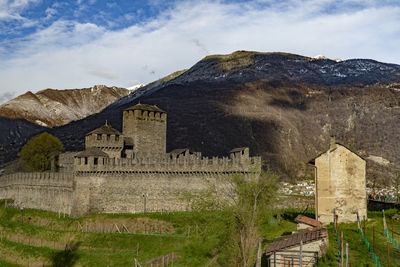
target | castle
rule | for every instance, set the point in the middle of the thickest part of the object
(125, 172)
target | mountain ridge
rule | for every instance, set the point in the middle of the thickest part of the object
(51, 107)
(284, 107)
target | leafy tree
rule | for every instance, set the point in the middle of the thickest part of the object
(247, 200)
(39, 152)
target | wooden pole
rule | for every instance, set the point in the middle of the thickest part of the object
(384, 221)
(373, 239)
(392, 228)
(364, 224)
(388, 254)
(347, 254)
(301, 253)
(341, 249)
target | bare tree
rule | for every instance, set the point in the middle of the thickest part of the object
(248, 199)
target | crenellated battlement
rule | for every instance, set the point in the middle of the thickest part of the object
(145, 115)
(47, 179)
(159, 163)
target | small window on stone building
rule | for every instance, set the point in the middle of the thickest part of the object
(86, 160)
(98, 136)
(108, 137)
(104, 161)
(96, 161)
(116, 137)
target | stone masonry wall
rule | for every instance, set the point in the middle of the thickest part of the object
(107, 191)
(340, 185)
(123, 192)
(47, 191)
(147, 129)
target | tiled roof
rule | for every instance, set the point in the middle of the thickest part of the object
(294, 239)
(307, 220)
(105, 129)
(92, 152)
(146, 107)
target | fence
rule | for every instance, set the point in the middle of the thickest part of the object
(291, 258)
(371, 249)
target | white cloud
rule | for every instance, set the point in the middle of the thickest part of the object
(11, 9)
(69, 54)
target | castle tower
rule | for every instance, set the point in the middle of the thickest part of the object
(106, 138)
(146, 125)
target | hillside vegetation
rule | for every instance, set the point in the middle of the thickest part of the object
(39, 238)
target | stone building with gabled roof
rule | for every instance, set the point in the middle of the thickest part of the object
(340, 181)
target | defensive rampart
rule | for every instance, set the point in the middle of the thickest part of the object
(47, 191)
(123, 185)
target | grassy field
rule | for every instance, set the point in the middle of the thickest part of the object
(39, 238)
(359, 255)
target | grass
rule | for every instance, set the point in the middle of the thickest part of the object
(359, 254)
(242, 59)
(198, 238)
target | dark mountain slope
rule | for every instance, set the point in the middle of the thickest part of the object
(284, 107)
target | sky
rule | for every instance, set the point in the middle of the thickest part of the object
(81, 43)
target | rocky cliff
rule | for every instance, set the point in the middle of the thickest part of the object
(51, 107)
(284, 107)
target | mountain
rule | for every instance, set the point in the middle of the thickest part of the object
(51, 107)
(285, 107)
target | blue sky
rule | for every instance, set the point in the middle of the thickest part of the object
(80, 43)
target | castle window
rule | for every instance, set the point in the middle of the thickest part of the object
(86, 160)
(108, 137)
(98, 136)
(96, 161)
(104, 161)
(116, 137)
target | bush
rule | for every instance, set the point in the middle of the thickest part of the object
(39, 152)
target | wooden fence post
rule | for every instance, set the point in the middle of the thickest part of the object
(392, 228)
(384, 221)
(347, 254)
(373, 239)
(301, 253)
(364, 224)
(341, 249)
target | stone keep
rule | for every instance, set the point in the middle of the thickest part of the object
(145, 127)
(340, 185)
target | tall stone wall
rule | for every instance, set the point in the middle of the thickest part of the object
(47, 191)
(127, 192)
(122, 185)
(340, 185)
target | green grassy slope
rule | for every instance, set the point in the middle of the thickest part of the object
(37, 237)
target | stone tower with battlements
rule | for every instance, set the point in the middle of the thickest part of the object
(146, 127)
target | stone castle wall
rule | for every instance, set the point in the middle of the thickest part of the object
(121, 186)
(47, 191)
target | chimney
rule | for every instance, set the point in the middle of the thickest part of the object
(333, 142)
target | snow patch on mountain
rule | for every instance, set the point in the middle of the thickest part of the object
(135, 87)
